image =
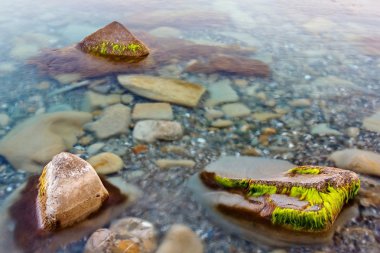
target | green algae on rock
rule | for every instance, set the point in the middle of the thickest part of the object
(114, 41)
(306, 198)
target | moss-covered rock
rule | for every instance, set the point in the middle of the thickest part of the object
(114, 41)
(306, 198)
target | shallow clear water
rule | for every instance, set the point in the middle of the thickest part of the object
(325, 52)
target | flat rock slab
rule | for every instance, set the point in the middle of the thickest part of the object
(34, 142)
(360, 161)
(221, 93)
(168, 163)
(156, 111)
(236, 110)
(163, 89)
(115, 120)
(149, 131)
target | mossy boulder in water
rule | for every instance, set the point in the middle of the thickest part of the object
(114, 41)
(306, 198)
(69, 191)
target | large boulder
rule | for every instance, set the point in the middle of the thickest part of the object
(69, 191)
(114, 41)
(34, 142)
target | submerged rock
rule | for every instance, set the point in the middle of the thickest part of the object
(69, 191)
(264, 196)
(114, 41)
(152, 111)
(152, 130)
(115, 120)
(372, 123)
(101, 241)
(182, 239)
(361, 161)
(34, 142)
(231, 65)
(106, 163)
(163, 89)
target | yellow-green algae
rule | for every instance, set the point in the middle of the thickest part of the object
(305, 170)
(324, 205)
(110, 48)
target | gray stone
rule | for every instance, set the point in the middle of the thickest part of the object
(236, 110)
(114, 121)
(221, 93)
(93, 100)
(151, 130)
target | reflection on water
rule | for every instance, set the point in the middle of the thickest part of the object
(318, 80)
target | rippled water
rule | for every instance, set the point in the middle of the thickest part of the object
(326, 53)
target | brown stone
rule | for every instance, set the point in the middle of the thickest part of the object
(231, 65)
(114, 41)
(69, 191)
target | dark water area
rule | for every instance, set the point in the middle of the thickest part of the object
(314, 89)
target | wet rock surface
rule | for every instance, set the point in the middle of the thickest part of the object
(152, 130)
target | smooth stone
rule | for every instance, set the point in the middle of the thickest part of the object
(101, 241)
(69, 191)
(222, 123)
(168, 163)
(4, 120)
(106, 163)
(166, 31)
(372, 123)
(163, 89)
(140, 229)
(181, 239)
(68, 78)
(265, 116)
(34, 142)
(300, 102)
(323, 129)
(149, 131)
(353, 132)
(127, 99)
(212, 114)
(361, 161)
(95, 148)
(220, 93)
(114, 121)
(156, 111)
(236, 110)
(114, 41)
(93, 100)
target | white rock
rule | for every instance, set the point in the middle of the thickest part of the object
(151, 130)
(157, 111)
(236, 110)
(115, 120)
(361, 161)
(180, 239)
(95, 148)
(132, 227)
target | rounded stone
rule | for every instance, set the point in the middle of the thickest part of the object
(132, 227)
(101, 241)
(106, 163)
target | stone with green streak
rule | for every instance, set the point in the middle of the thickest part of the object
(305, 198)
(114, 41)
